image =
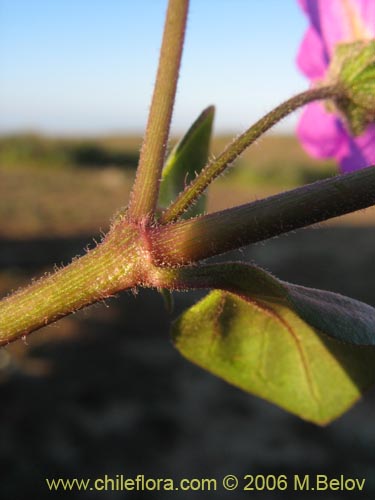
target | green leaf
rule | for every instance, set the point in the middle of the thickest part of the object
(187, 159)
(167, 299)
(280, 341)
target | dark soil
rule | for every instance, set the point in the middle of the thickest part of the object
(104, 392)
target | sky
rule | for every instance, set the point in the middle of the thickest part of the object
(87, 66)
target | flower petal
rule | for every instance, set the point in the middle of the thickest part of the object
(336, 17)
(360, 152)
(339, 21)
(312, 58)
(366, 12)
(321, 133)
(311, 9)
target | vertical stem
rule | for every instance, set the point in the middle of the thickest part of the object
(146, 186)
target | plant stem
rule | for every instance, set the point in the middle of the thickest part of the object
(196, 239)
(102, 272)
(146, 186)
(233, 150)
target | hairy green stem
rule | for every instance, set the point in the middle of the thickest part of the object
(196, 239)
(103, 271)
(233, 150)
(146, 186)
(229, 276)
(132, 255)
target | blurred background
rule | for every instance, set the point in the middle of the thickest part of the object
(103, 391)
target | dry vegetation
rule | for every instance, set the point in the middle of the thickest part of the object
(63, 187)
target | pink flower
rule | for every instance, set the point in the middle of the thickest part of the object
(324, 134)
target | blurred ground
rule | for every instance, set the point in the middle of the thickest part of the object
(104, 392)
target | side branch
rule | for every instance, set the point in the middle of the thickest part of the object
(238, 146)
(196, 239)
